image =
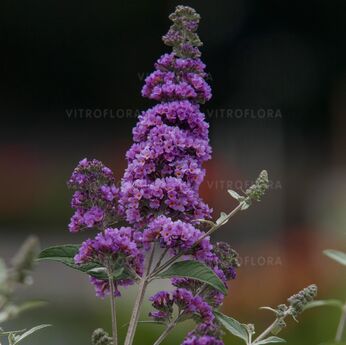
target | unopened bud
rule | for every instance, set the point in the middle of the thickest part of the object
(258, 189)
(101, 337)
(301, 299)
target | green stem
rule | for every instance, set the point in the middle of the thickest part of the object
(168, 329)
(164, 334)
(341, 326)
(113, 309)
(139, 300)
(264, 334)
(165, 251)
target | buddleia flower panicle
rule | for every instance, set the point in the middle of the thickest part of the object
(298, 301)
(158, 200)
(170, 139)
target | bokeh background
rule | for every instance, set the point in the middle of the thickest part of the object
(71, 75)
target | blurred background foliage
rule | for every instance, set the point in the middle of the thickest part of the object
(277, 70)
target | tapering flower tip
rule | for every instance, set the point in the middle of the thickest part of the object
(101, 337)
(258, 189)
(302, 298)
(182, 34)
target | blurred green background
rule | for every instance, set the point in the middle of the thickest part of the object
(71, 75)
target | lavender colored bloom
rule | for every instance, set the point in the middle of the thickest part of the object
(171, 139)
(176, 235)
(109, 248)
(102, 288)
(204, 310)
(183, 298)
(162, 301)
(187, 303)
(203, 340)
(159, 316)
(94, 197)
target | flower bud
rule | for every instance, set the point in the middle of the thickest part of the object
(257, 190)
(301, 299)
(182, 34)
(101, 337)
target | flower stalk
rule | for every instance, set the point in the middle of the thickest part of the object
(165, 333)
(139, 300)
(113, 311)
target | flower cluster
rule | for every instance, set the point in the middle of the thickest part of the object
(171, 139)
(193, 298)
(159, 194)
(188, 305)
(177, 236)
(186, 302)
(113, 248)
(177, 79)
(95, 195)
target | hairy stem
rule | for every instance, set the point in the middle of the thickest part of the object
(341, 326)
(217, 226)
(139, 300)
(264, 334)
(165, 251)
(113, 309)
(208, 233)
(267, 331)
(164, 334)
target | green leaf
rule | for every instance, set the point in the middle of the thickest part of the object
(270, 340)
(235, 195)
(336, 255)
(270, 309)
(65, 254)
(19, 338)
(194, 270)
(233, 326)
(59, 253)
(325, 303)
(222, 218)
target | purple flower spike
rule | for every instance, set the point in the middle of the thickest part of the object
(95, 196)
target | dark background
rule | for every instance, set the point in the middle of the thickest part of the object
(71, 74)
